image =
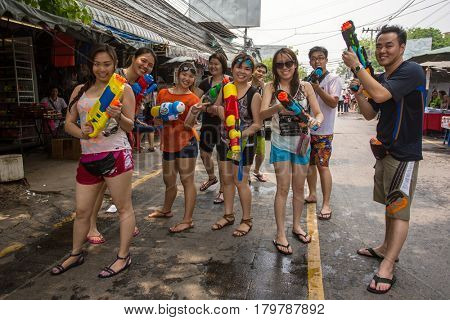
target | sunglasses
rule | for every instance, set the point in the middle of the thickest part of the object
(190, 68)
(287, 64)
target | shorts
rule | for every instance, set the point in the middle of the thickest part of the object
(279, 155)
(189, 151)
(320, 150)
(209, 137)
(260, 149)
(394, 185)
(123, 163)
(143, 129)
(247, 154)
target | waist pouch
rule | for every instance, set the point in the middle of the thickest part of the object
(378, 150)
(102, 166)
(303, 144)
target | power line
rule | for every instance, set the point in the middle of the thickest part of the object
(439, 19)
(435, 11)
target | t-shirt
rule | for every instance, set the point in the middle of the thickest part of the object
(331, 84)
(207, 118)
(59, 105)
(400, 124)
(175, 136)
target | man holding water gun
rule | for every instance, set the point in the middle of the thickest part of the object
(328, 89)
(398, 93)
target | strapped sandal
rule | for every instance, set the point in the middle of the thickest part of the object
(240, 233)
(219, 198)
(59, 269)
(260, 177)
(378, 280)
(228, 217)
(136, 232)
(107, 272)
(205, 185)
(190, 225)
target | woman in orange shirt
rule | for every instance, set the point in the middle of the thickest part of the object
(180, 149)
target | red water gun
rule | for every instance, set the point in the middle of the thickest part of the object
(232, 122)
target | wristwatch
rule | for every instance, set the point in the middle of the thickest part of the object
(357, 69)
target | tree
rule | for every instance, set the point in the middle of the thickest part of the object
(439, 40)
(69, 9)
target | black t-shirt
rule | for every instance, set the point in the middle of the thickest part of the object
(400, 124)
(207, 118)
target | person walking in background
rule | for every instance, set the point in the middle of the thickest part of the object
(328, 89)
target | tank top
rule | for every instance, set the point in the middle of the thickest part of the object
(113, 138)
(289, 142)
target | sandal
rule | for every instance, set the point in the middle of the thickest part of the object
(189, 224)
(136, 232)
(324, 216)
(59, 269)
(219, 198)
(107, 272)
(159, 214)
(299, 237)
(378, 280)
(372, 254)
(240, 233)
(96, 239)
(260, 177)
(228, 217)
(277, 245)
(205, 185)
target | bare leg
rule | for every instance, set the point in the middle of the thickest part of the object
(170, 180)
(93, 231)
(283, 175)
(151, 140)
(326, 182)
(299, 173)
(312, 184)
(229, 190)
(245, 196)
(208, 163)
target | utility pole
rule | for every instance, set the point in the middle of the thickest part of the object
(371, 39)
(245, 40)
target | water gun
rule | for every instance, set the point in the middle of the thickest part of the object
(168, 111)
(142, 87)
(232, 123)
(213, 93)
(97, 116)
(292, 105)
(315, 75)
(351, 40)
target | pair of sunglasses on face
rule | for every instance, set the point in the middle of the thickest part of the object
(288, 64)
(187, 67)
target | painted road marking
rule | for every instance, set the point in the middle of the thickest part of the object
(13, 247)
(315, 283)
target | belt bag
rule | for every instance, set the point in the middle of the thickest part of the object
(378, 150)
(101, 167)
(303, 144)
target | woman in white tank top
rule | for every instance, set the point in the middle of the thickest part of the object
(105, 158)
(290, 143)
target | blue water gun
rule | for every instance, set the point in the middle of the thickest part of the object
(351, 40)
(315, 75)
(168, 111)
(143, 86)
(292, 105)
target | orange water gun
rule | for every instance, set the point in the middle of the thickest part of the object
(232, 122)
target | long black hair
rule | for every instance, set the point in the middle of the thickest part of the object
(294, 85)
(141, 51)
(91, 78)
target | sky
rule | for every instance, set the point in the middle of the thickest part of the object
(305, 24)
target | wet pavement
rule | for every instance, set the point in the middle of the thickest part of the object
(205, 264)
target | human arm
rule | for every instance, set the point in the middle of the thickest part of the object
(71, 126)
(267, 111)
(314, 105)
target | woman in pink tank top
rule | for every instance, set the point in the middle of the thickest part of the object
(105, 158)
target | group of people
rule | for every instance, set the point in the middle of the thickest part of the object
(439, 100)
(297, 152)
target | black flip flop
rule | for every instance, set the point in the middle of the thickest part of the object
(299, 235)
(276, 244)
(373, 254)
(307, 201)
(378, 280)
(324, 216)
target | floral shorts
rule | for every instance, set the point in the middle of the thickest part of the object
(320, 150)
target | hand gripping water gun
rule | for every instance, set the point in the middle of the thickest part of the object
(315, 75)
(213, 93)
(168, 111)
(232, 118)
(351, 40)
(292, 105)
(97, 116)
(143, 86)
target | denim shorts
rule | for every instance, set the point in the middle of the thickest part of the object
(279, 155)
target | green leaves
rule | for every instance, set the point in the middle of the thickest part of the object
(439, 40)
(69, 9)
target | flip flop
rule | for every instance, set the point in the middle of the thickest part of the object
(205, 185)
(136, 232)
(324, 216)
(277, 244)
(299, 237)
(160, 214)
(378, 280)
(190, 225)
(372, 254)
(96, 239)
(307, 201)
(260, 177)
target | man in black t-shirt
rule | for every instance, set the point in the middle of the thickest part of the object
(398, 93)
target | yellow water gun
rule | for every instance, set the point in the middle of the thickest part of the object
(97, 116)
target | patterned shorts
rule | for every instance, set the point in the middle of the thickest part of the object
(320, 150)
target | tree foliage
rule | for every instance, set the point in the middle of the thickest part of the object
(69, 9)
(439, 40)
